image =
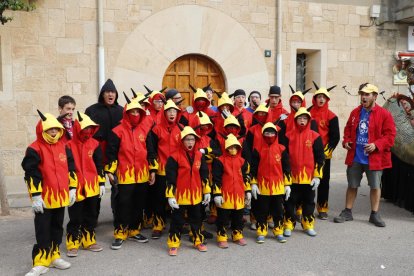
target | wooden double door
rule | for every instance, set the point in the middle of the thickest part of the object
(196, 70)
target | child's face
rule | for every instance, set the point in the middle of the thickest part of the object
(295, 102)
(302, 120)
(239, 101)
(232, 150)
(189, 142)
(68, 109)
(133, 112)
(321, 99)
(274, 100)
(171, 115)
(52, 132)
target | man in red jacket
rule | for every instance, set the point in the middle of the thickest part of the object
(368, 136)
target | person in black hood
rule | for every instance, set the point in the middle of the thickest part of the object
(107, 113)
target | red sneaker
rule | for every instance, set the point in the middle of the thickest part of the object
(173, 251)
(201, 247)
(223, 244)
(241, 242)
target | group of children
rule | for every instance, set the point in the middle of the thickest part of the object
(162, 158)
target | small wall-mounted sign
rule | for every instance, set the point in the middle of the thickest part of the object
(410, 38)
(267, 53)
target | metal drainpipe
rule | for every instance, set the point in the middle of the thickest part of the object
(279, 44)
(101, 49)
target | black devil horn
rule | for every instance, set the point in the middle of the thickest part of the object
(218, 95)
(180, 126)
(133, 93)
(330, 88)
(162, 90)
(149, 90)
(316, 86)
(306, 91)
(142, 100)
(80, 117)
(291, 89)
(192, 87)
(41, 115)
(126, 98)
(222, 135)
(224, 115)
(180, 101)
(200, 114)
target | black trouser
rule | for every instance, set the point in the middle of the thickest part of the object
(83, 217)
(273, 205)
(304, 195)
(178, 220)
(49, 231)
(129, 212)
(114, 196)
(323, 189)
(223, 216)
(158, 202)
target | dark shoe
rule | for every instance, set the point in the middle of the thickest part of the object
(323, 216)
(117, 244)
(345, 215)
(376, 220)
(207, 235)
(156, 234)
(139, 238)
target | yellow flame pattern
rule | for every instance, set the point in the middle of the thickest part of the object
(328, 151)
(55, 198)
(173, 241)
(232, 201)
(42, 257)
(271, 188)
(121, 233)
(88, 238)
(34, 187)
(302, 177)
(131, 177)
(72, 242)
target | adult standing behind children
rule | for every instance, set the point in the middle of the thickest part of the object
(107, 113)
(368, 136)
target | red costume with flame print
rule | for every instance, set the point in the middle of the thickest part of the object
(88, 163)
(306, 159)
(49, 172)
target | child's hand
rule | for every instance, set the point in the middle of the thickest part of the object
(152, 178)
(173, 203)
(207, 198)
(38, 204)
(218, 200)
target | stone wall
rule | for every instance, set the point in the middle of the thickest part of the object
(52, 51)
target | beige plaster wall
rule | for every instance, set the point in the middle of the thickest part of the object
(52, 51)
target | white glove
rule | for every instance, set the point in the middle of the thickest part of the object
(38, 204)
(226, 113)
(202, 151)
(287, 192)
(101, 191)
(315, 183)
(207, 198)
(72, 197)
(189, 109)
(255, 191)
(173, 203)
(218, 200)
(248, 199)
(283, 117)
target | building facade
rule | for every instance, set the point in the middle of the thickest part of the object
(62, 47)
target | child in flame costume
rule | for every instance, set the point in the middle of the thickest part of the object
(230, 188)
(132, 157)
(271, 179)
(306, 160)
(166, 136)
(83, 214)
(187, 181)
(328, 128)
(200, 103)
(51, 181)
(211, 149)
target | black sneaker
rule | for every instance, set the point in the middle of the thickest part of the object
(323, 216)
(345, 215)
(156, 234)
(139, 238)
(207, 235)
(376, 220)
(117, 244)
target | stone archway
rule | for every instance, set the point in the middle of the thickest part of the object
(190, 29)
